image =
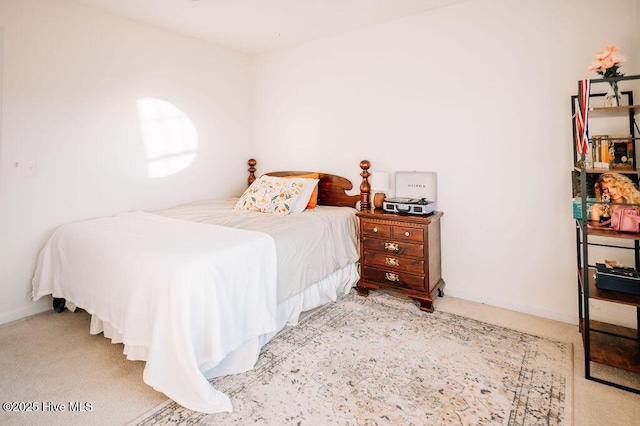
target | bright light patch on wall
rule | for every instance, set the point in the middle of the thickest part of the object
(169, 137)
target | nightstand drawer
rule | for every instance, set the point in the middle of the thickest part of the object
(382, 230)
(393, 247)
(399, 279)
(410, 233)
(414, 265)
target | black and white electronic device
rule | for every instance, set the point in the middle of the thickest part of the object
(416, 193)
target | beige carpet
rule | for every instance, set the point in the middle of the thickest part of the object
(52, 360)
(52, 357)
(381, 361)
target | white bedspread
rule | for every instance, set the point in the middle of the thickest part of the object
(185, 295)
(310, 245)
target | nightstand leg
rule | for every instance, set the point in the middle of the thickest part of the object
(362, 291)
(425, 304)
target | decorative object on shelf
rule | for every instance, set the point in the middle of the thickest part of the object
(379, 184)
(577, 207)
(607, 63)
(624, 219)
(617, 278)
(582, 116)
(613, 98)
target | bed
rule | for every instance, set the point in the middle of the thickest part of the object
(196, 290)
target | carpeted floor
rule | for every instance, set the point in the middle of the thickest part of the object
(376, 360)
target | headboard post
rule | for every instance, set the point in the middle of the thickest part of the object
(365, 188)
(252, 170)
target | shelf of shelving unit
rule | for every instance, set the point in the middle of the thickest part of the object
(610, 344)
(613, 234)
(608, 295)
(621, 171)
(616, 111)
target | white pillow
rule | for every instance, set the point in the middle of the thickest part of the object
(305, 187)
(270, 194)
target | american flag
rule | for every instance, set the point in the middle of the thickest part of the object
(582, 130)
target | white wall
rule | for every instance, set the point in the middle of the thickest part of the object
(479, 92)
(72, 77)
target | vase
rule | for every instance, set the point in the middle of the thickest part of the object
(613, 98)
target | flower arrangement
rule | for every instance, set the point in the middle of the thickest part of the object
(607, 62)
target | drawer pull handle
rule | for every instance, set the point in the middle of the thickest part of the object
(406, 234)
(391, 246)
(390, 276)
(392, 261)
(375, 229)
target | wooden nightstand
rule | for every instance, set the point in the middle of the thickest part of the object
(401, 252)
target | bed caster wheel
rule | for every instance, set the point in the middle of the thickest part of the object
(440, 293)
(58, 304)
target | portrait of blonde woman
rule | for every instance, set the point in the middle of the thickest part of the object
(613, 189)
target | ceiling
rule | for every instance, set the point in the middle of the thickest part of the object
(257, 26)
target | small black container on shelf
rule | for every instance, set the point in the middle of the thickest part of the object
(624, 280)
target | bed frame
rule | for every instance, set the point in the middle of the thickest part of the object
(332, 188)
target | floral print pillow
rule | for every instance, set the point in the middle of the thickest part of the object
(270, 194)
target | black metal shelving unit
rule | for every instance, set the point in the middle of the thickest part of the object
(604, 343)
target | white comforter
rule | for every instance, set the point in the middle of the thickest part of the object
(310, 245)
(195, 300)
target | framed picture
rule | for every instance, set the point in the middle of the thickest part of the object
(592, 178)
(604, 187)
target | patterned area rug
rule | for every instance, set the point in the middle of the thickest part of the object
(381, 361)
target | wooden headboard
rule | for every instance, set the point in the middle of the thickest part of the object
(331, 188)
